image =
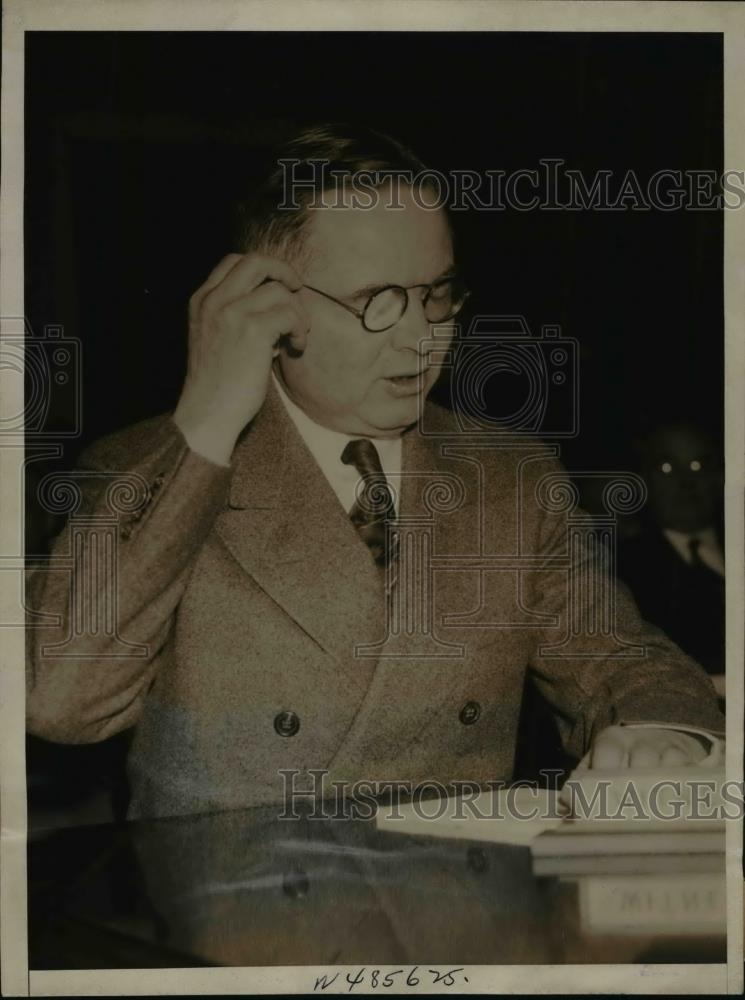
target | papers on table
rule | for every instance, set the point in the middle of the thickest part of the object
(500, 816)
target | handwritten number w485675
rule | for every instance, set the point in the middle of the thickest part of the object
(378, 979)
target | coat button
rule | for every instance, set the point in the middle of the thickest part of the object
(295, 883)
(470, 713)
(286, 724)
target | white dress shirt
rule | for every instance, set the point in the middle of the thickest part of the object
(326, 447)
(709, 551)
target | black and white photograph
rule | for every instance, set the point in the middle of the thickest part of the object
(372, 431)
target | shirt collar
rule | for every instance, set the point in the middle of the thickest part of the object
(707, 537)
(326, 446)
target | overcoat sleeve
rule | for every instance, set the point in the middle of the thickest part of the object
(102, 606)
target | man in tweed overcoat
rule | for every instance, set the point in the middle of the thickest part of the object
(253, 631)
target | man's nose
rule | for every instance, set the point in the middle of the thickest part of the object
(690, 481)
(412, 332)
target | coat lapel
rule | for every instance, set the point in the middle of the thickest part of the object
(406, 685)
(285, 526)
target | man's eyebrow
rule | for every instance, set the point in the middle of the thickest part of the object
(367, 290)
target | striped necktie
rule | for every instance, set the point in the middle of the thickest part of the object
(374, 507)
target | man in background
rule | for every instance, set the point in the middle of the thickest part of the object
(675, 565)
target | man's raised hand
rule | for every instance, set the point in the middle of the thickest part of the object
(236, 319)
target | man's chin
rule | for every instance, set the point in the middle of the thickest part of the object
(395, 416)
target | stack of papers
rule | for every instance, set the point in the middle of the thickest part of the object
(491, 815)
(675, 814)
(637, 821)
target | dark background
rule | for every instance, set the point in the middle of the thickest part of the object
(138, 143)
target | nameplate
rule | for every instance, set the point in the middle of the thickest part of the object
(678, 904)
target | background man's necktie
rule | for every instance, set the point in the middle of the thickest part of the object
(694, 544)
(374, 506)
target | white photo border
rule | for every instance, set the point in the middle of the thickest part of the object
(19, 16)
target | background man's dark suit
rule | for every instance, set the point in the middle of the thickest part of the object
(686, 601)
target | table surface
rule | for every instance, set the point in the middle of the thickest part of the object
(249, 889)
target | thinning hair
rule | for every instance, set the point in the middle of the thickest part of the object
(345, 150)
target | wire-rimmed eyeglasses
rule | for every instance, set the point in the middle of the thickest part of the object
(442, 301)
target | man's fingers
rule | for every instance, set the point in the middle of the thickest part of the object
(267, 296)
(267, 300)
(693, 750)
(214, 278)
(674, 755)
(621, 747)
(608, 751)
(286, 321)
(643, 754)
(248, 275)
(236, 320)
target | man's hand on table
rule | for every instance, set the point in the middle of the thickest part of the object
(628, 746)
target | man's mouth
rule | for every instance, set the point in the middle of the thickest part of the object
(406, 384)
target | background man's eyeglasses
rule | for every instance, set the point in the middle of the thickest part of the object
(441, 302)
